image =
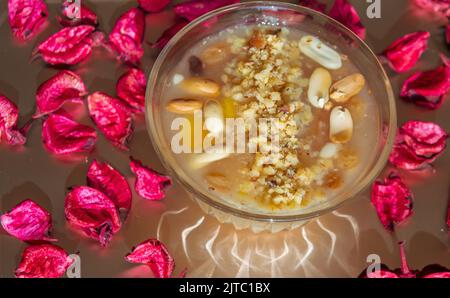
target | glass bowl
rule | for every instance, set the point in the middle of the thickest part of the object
(276, 14)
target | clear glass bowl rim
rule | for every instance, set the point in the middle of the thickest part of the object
(370, 177)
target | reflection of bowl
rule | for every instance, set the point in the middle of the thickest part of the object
(280, 14)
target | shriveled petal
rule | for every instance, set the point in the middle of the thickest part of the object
(93, 213)
(110, 181)
(75, 13)
(343, 12)
(26, 18)
(404, 53)
(313, 4)
(168, 34)
(62, 135)
(441, 7)
(9, 116)
(392, 200)
(191, 10)
(28, 222)
(149, 184)
(43, 261)
(153, 253)
(63, 87)
(112, 116)
(153, 5)
(131, 88)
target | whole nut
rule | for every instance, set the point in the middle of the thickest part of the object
(184, 106)
(214, 118)
(215, 54)
(341, 125)
(319, 86)
(201, 86)
(315, 49)
(344, 89)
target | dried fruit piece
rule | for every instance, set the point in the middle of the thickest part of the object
(62, 135)
(43, 261)
(92, 212)
(417, 144)
(69, 46)
(428, 88)
(153, 253)
(438, 6)
(153, 5)
(313, 4)
(28, 221)
(404, 52)
(191, 10)
(9, 115)
(343, 12)
(196, 66)
(127, 35)
(26, 17)
(112, 116)
(75, 13)
(392, 200)
(53, 93)
(131, 88)
(108, 180)
(149, 184)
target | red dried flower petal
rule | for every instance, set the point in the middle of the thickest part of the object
(112, 116)
(313, 4)
(191, 10)
(62, 135)
(131, 88)
(9, 115)
(53, 93)
(153, 5)
(404, 53)
(438, 6)
(28, 221)
(168, 34)
(108, 180)
(92, 212)
(127, 35)
(153, 253)
(43, 261)
(428, 88)
(392, 200)
(149, 184)
(69, 46)
(75, 13)
(26, 17)
(343, 12)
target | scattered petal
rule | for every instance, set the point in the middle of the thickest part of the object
(112, 116)
(191, 10)
(149, 184)
(131, 88)
(75, 13)
(28, 222)
(92, 212)
(127, 35)
(153, 253)
(168, 34)
(404, 53)
(26, 18)
(153, 5)
(438, 6)
(108, 180)
(43, 261)
(9, 115)
(62, 135)
(53, 93)
(343, 12)
(313, 4)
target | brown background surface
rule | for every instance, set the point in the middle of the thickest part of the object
(334, 245)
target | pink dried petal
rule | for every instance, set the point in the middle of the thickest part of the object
(26, 17)
(427, 88)
(404, 158)
(343, 12)
(313, 4)
(149, 184)
(69, 46)
(127, 35)
(168, 34)
(108, 180)
(53, 93)
(153, 5)
(392, 200)
(28, 221)
(43, 261)
(438, 6)
(62, 135)
(9, 116)
(112, 116)
(75, 13)
(153, 253)
(404, 53)
(191, 10)
(131, 88)
(92, 212)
